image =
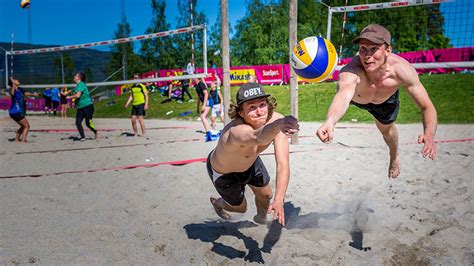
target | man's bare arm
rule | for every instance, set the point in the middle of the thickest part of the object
(345, 91)
(128, 101)
(418, 93)
(282, 160)
(145, 92)
(264, 135)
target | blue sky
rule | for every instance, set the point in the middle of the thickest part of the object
(81, 21)
(63, 22)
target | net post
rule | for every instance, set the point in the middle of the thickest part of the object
(293, 32)
(328, 30)
(204, 53)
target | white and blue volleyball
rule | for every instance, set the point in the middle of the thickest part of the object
(314, 59)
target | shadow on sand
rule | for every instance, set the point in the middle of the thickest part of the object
(211, 231)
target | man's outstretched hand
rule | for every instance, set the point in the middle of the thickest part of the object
(429, 149)
(278, 211)
(325, 133)
(289, 125)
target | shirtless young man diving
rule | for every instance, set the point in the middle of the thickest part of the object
(371, 82)
(235, 161)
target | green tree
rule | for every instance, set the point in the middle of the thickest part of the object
(262, 34)
(412, 28)
(183, 42)
(158, 53)
(68, 65)
(215, 40)
(123, 55)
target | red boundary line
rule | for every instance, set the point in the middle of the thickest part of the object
(183, 162)
(107, 147)
(176, 163)
(100, 129)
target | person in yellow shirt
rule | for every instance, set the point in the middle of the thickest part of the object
(139, 99)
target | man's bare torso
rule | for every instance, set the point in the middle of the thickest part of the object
(380, 88)
(230, 156)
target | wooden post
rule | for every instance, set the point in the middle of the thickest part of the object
(293, 34)
(225, 58)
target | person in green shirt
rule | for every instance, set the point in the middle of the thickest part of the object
(84, 105)
(139, 99)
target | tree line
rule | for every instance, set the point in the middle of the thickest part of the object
(261, 36)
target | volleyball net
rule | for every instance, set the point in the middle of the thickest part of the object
(439, 32)
(104, 63)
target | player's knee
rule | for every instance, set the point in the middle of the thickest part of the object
(264, 195)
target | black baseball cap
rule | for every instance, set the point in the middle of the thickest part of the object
(250, 91)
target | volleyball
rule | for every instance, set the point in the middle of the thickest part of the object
(25, 3)
(314, 59)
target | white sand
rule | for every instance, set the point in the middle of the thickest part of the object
(338, 194)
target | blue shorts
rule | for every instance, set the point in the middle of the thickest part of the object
(231, 186)
(17, 117)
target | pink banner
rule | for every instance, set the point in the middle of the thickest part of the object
(268, 75)
(36, 104)
(440, 55)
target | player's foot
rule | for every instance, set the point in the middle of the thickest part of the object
(259, 219)
(83, 139)
(219, 210)
(95, 136)
(394, 168)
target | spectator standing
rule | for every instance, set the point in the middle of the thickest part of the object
(215, 102)
(203, 96)
(63, 101)
(190, 67)
(55, 99)
(185, 89)
(47, 100)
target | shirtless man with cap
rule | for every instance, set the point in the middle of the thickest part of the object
(371, 81)
(235, 161)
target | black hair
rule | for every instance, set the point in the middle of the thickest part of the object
(82, 76)
(10, 82)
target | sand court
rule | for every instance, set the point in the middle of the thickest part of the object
(121, 200)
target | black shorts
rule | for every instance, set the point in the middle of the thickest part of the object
(55, 104)
(231, 186)
(17, 117)
(138, 109)
(386, 112)
(47, 102)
